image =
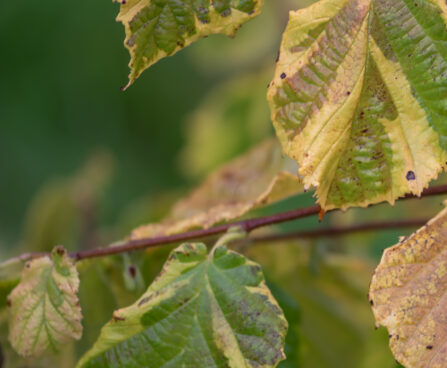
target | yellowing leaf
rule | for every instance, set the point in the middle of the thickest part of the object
(44, 308)
(159, 28)
(257, 178)
(408, 296)
(359, 97)
(201, 311)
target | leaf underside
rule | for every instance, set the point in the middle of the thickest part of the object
(201, 311)
(359, 97)
(44, 311)
(257, 178)
(159, 28)
(408, 296)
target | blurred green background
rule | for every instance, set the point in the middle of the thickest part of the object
(82, 163)
(61, 104)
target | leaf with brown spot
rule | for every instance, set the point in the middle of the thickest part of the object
(203, 310)
(359, 98)
(259, 177)
(408, 296)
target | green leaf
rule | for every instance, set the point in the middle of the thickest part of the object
(44, 311)
(334, 314)
(359, 97)
(159, 28)
(292, 314)
(201, 311)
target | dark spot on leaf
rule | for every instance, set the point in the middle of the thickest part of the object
(411, 175)
(8, 302)
(371, 302)
(429, 347)
(144, 300)
(277, 56)
(255, 270)
(132, 271)
(283, 75)
(226, 12)
(118, 318)
(60, 251)
(348, 93)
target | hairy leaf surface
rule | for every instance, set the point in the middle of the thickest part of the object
(159, 28)
(359, 97)
(201, 311)
(257, 178)
(408, 296)
(44, 307)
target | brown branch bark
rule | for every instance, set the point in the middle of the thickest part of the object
(338, 231)
(248, 225)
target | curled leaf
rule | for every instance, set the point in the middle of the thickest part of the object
(408, 296)
(159, 28)
(201, 311)
(259, 177)
(359, 97)
(44, 311)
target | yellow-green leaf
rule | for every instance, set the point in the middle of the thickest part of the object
(159, 28)
(201, 311)
(257, 178)
(359, 97)
(44, 311)
(408, 296)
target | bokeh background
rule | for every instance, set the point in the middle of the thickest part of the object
(82, 163)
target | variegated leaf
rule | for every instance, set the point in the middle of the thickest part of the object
(44, 311)
(359, 97)
(159, 28)
(201, 311)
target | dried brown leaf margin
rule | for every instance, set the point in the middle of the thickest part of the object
(408, 295)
